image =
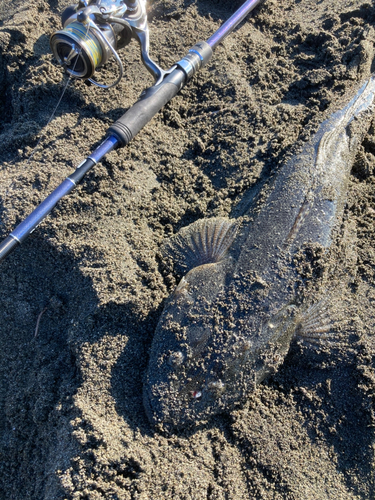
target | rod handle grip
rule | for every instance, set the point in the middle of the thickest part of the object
(149, 104)
(154, 98)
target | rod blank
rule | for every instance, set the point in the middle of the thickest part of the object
(27, 226)
(232, 22)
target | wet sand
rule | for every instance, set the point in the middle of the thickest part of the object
(81, 298)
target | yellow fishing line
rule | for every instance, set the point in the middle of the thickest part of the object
(92, 46)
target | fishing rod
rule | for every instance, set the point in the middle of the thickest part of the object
(92, 31)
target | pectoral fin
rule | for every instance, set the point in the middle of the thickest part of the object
(319, 324)
(205, 241)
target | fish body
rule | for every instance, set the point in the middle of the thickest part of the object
(230, 321)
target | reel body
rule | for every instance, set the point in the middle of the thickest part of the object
(94, 30)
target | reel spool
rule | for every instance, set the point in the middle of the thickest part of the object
(93, 31)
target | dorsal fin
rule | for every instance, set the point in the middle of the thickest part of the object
(202, 242)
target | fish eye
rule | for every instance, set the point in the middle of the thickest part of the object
(176, 359)
(216, 388)
(246, 345)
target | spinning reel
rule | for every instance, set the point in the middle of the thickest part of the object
(92, 32)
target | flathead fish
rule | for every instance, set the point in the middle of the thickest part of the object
(230, 321)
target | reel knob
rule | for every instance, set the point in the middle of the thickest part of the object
(83, 17)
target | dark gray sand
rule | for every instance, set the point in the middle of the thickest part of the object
(81, 298)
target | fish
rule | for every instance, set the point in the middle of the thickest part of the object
(230, 321)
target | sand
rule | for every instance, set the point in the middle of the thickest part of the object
(80, 299)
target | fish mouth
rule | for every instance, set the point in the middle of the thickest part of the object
(167, 411)
(160, 411)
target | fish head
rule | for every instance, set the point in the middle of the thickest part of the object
(200, 366)
(175, 391)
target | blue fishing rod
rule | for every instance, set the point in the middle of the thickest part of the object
(92, 31)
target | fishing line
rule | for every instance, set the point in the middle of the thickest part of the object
(11, 186)
(58, 103)
(48, 122)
